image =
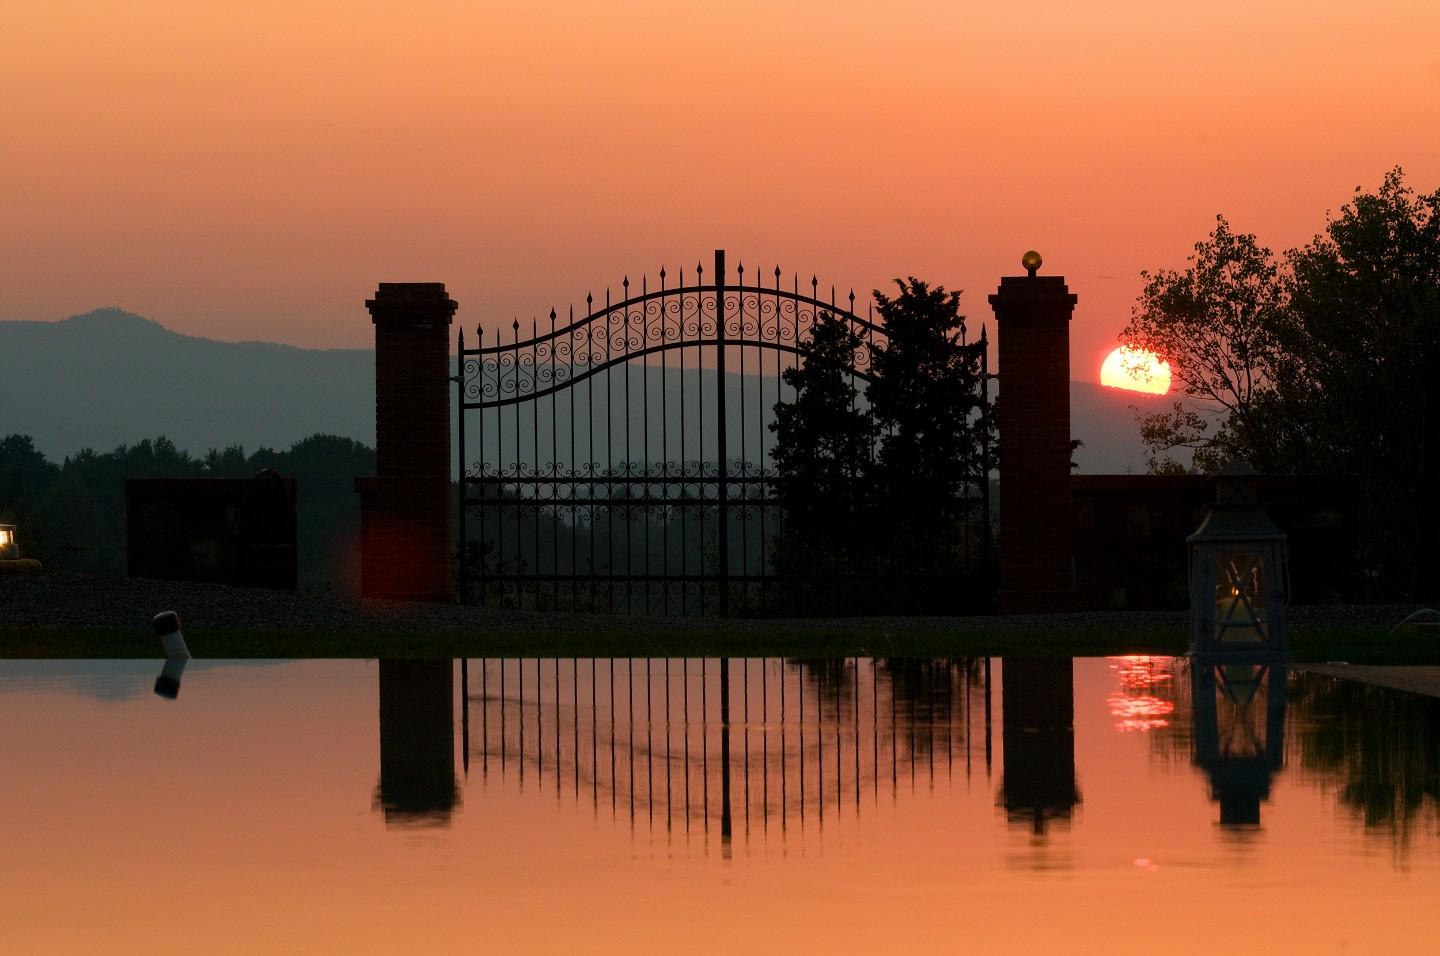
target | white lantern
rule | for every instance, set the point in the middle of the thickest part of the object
(1239, 581)
(8, 547)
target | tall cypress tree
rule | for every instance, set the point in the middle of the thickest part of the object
(823, 446)
(927, 403)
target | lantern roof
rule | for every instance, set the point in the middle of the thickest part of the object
(1236, 514)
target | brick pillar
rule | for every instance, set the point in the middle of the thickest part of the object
(405, 510)
(1037, 552)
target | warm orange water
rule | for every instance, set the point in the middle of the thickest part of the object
(250, 814)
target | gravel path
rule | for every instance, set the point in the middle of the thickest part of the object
(61, 599)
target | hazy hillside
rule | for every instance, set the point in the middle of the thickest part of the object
(109, 377)
(1104, 419)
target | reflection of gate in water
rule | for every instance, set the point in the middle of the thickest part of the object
(741, 744)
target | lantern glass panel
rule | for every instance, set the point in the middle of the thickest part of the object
(1240, 609)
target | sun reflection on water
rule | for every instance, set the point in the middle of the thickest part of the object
(1137, 705)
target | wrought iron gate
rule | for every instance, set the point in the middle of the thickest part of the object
(620, 460)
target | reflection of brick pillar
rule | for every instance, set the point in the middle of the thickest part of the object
(417, 742)
(405, 509)
(1037, 717)
(1037, 563)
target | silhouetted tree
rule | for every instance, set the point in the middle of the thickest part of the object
(24, 472)
(324, 468)
(230, 463)
(879, 482)
(1324, 360)
(1218, 323)
(926, 400)
(823, 446)
(1365, 301)
(23, 468)
(72, 516)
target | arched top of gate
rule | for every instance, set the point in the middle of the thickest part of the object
(652, 321)
(692, 306)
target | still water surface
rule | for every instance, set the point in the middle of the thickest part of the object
(1094, 805)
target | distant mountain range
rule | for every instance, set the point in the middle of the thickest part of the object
(110, 377)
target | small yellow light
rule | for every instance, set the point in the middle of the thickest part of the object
(1031, 261)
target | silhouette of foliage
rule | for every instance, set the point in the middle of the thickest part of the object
(823, 446)
(1325, 359)
(1218, 324)
(72, 516)
(926, 399)
(881, 482)
(1380, 747)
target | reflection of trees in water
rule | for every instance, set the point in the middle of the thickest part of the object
(1379, 748)
(748, 742)
(928, 688)
(834, 681)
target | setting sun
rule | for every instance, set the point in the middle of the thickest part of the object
(1136, 370)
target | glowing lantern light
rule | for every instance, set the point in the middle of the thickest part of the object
(9, 548)
(1239, 584)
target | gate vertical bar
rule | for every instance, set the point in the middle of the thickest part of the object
(480, 463)
(460, 452)
(539, 465)
(987, 580)
(723, 485)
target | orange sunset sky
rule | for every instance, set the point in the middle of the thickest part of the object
(250, 170)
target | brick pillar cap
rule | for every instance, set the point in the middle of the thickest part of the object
(423, 301)
(1026, 290)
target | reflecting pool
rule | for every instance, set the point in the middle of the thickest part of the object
(1010, 805)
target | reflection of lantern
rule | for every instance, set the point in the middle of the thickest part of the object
(1239, 719)
(1238, 577)
(8, 546)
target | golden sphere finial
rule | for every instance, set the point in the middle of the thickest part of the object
(1031, 261)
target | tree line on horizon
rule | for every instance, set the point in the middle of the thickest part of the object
(71, 515)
